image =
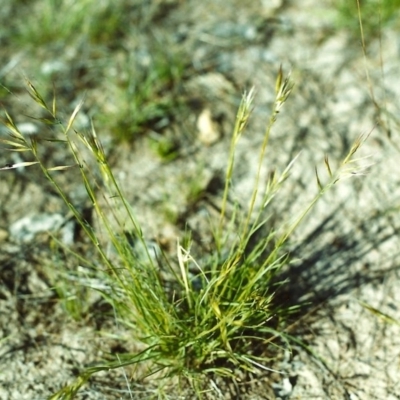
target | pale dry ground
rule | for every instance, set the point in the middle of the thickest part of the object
(345, 254)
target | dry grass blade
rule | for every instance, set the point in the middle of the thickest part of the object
(16, 134)
(320, 185)
(385, 317)
(36, 95)
(17, 146)
(184, 273)
(73, 115)
(62, 167)
(19, 165)
(328, 167)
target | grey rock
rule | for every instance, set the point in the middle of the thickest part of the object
(25, 229)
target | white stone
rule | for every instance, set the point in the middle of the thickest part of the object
(25, 229)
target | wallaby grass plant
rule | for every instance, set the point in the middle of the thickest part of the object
(220, 308)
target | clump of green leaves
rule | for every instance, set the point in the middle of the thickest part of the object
(220, 306)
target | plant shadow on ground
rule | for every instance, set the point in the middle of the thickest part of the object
(327, 273)
(328, 264)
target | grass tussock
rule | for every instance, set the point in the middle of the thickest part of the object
(218, 310)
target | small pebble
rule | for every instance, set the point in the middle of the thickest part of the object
(208, 129)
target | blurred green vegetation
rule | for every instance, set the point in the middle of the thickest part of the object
(375, 14)
(116, 54)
